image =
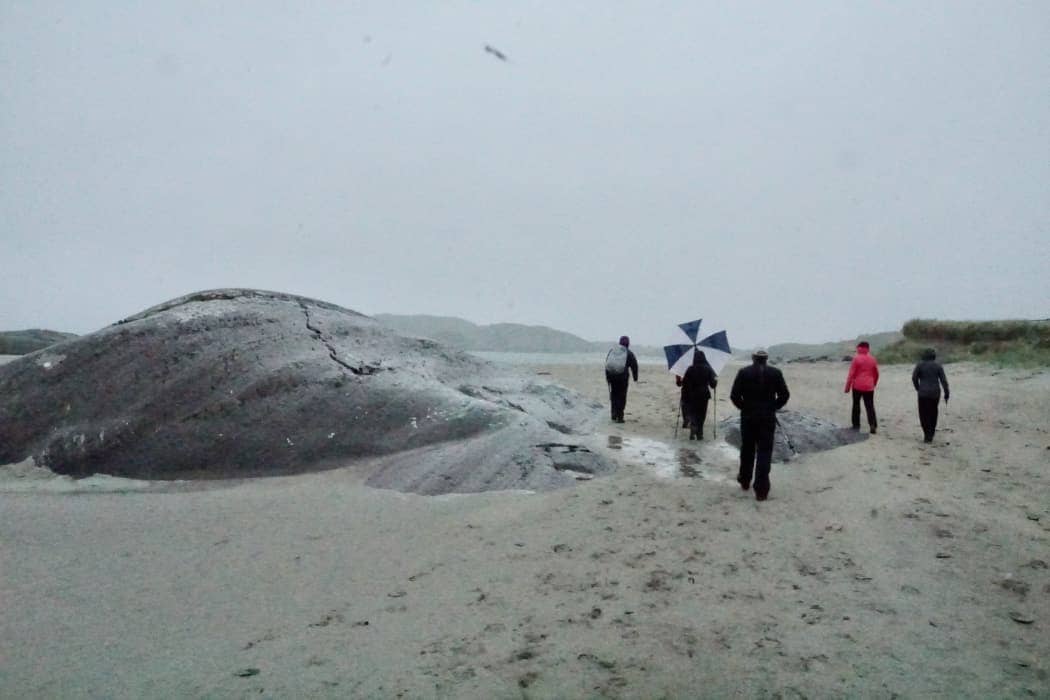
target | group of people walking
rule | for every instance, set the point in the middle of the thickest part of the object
(759, 391)
(927, 378)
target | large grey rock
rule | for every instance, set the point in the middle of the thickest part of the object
(240, 383)
(797, 434)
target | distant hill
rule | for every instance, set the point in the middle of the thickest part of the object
(835, 350)
(496, 337)
(31, 340)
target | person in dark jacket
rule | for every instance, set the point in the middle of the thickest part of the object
(928, 378)
(759, 391)
(618, 381)
(697, 384)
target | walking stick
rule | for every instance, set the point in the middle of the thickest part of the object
(714, 418)
(787, 438)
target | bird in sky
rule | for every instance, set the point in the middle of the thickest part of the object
(495, 52)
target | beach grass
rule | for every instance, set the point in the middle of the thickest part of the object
(1008, 343)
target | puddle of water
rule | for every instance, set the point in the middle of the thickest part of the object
(711, 462)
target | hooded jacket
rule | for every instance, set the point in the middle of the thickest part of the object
(698, 381)
(928, 378)
(863, 371)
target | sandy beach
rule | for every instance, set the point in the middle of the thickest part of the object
(882, 569)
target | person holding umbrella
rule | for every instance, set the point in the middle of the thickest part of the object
(696, 386)
(759, 391)
(928, 378)
(689, 341)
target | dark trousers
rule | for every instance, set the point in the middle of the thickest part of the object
(869, 408)
(618, 394)
(756, 440)
(928, 416)
(696, 415)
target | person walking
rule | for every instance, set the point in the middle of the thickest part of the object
(620, 363)
(759, 391)
(862, 378)
(697, 384)
(928, 378)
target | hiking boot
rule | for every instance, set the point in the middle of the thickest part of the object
(761, 496)
(744, 485)
(873, 430)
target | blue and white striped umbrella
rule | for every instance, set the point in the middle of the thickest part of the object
(714, 345)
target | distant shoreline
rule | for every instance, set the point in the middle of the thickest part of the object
(597, 358)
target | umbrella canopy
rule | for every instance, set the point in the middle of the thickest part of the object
(714, 345)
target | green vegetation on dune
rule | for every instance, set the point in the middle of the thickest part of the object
(977, 331)
(1014, 343)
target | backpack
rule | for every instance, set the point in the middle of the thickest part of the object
(616, 360)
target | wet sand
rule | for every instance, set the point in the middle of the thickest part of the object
(878, 569)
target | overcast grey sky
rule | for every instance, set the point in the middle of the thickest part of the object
(799, 171)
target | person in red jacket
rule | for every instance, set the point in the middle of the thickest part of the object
(862, 378)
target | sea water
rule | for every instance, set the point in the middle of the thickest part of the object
(596, 359)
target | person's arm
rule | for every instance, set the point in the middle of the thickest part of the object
(849, 377)
(632, 362)
(915, 377)
(875, 369)
(713, 380)
(736, 394)
(944, 382)
(782, 393)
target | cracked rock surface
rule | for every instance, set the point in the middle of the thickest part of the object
(237, 383)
